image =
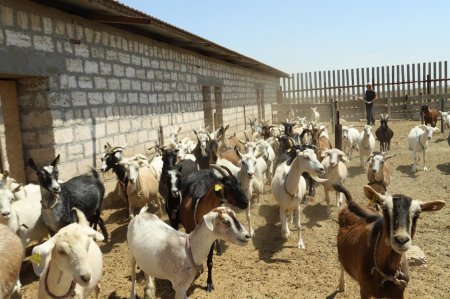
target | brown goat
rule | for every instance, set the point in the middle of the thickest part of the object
(430, 115)
(372, 247)
(230, 155)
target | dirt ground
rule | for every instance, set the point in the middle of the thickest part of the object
(272, 268)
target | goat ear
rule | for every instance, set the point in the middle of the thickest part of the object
(32, 164)
(432, 206)
(41, 256)
(195, 132)
(56, 161)
(259, 155)
(17, 189)
(92, 233)
(208, 219)
(344, 158)
(373, 195)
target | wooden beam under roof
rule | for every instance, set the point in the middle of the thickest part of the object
(119, 19)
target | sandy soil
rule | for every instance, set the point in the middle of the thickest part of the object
(272, 268)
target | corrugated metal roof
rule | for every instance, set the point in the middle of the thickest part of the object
(127, 18)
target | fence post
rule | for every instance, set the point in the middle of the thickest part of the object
(333, 113)
(338, 133)
(442, 119)
(161, 136)
(420, 109)
(389, 108)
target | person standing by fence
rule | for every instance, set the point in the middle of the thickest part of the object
(369, 98)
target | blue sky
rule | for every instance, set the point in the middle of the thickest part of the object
(299, 36)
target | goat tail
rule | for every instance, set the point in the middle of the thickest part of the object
(95, 173)
(341, 188)
(80, 217)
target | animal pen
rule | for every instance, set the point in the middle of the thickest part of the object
(401, 91)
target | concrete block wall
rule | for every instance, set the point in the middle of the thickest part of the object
(86, 84)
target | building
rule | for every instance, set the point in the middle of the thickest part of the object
(77, 74)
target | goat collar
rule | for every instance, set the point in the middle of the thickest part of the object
(399, 278)
(423, 146)
(198, 268)
(56, 196)
(70, 292)
(285, 189)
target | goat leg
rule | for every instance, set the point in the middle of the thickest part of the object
(218, 248)
(101, 223)
(209, 282)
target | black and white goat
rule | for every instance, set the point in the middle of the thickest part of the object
(84, 192)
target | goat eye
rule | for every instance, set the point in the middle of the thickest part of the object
(62, 252)
(227, 223)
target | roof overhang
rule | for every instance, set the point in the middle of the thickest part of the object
(126, 18)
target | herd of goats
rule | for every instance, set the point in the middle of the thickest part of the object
(197, 183)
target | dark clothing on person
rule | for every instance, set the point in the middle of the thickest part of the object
(370, 96)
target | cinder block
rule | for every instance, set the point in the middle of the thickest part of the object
(82, 50)
(17, 39)
(43, 43)
(74, 65)
(22, 20)
(91, 67)
(6, 16)
(79, 98)
(63, 135)
(82, 133)
(85, 82)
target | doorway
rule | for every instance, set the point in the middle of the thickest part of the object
(11, 147)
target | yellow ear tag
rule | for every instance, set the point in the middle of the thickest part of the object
(36, 259)
(289, 150)
(217, 187)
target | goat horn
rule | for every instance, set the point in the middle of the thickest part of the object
(220, 169)
(246, 137)
(317, 179)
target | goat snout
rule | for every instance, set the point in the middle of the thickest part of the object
(402, 240)
(250, 174)
(175, 193)
(131, 180)
(85, 277)
(6, 214)
(56, 189)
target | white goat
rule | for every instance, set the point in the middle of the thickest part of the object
(315, 116)
(70, 263)
(288, 187)
(418, 139)
(379, 173)
(173, 136)
(366, 143)
(350, 137)
(23, 216)
(445, 117)
(156, 165)
(268, 154)
(250, 175)
(162, 252)
(11, 257)
(142, 185)
(185, 148)
(335, 173)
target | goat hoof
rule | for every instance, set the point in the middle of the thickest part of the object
(210, 287)
(425, 169)
(301, 245)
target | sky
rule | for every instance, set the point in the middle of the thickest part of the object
(315, 35)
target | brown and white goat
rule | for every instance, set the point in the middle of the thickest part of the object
(372, 247)
(379, 173)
